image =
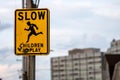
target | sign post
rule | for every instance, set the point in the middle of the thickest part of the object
(32, 36)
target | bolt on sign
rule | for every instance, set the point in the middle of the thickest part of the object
(32, 31)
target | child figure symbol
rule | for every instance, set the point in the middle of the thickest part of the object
(32, 30)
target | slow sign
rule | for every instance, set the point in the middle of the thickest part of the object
(32, 31)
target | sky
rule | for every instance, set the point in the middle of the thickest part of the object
(73, 24)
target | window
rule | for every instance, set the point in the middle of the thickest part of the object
(55, 66)
(63, 60)
(61, 70)
(61, 65)
(90, 67)
(55, 75)
(91, 78)
(76, 64)
(62, 75)
(79, 79)
(76, 69)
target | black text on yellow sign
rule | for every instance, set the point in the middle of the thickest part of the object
(32, 31)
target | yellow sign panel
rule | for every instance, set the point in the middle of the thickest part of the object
(32, 31)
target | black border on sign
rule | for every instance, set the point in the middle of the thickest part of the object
(48, 32)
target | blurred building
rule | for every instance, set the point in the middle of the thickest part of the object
(111, 65)
(80, 64)
(116, 75)
(114, 47)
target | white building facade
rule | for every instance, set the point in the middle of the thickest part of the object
(80, 64)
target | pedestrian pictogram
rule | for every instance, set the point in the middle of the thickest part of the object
(32, 31)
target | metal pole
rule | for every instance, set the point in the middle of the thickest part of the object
(24, 60)
(28, 61)
(28, 3)
(31, 67)
(22, 3)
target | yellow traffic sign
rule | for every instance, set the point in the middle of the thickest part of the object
(32, 31)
